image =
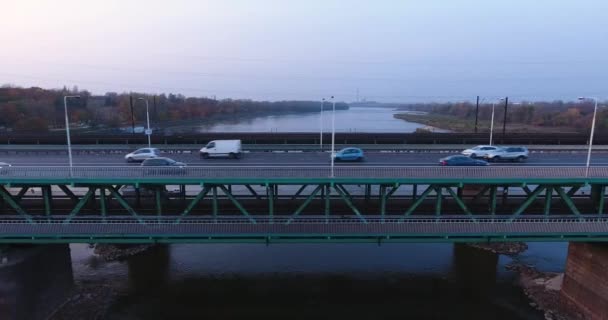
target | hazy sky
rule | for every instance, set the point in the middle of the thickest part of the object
(402, 50)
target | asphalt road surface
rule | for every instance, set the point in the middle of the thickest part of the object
(299, 159)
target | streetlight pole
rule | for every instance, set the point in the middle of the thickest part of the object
(591, 135)
(67, 128)
(333, 134)
(148, 132)
(492, 121)
(321, 125)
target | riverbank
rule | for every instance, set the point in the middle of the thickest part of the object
(456, 124)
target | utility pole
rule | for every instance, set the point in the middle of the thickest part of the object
(504, 121)
(476, 114)
(155, 114)
(132, 116)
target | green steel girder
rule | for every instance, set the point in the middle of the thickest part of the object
(568, 201)
(47, 195)
(195, 201)
(418, 201)
(346, 197)
(83, 201)
(21, 193)
(270, 192)
(493, 191)
(459, 202)
(253, 193)
(299, 191)
(548, 199)
(236, 203)
(114, 192)
(13, 204)
(69, 193)
(305, 204)
(528, 202)
(438, 200)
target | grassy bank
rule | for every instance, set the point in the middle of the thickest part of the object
(455, 124)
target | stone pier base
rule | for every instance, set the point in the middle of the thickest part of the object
(34, 281)
(585, 286)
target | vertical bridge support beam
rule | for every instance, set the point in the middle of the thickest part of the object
(585, 286)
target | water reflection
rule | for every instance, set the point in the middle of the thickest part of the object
(351, 120)
(300, 281)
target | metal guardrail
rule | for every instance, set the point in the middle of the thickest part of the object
(308, 138)
(305, 220)
(192, 148)
(302, 172)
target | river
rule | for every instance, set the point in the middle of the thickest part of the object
(358, 119)
(303, 281)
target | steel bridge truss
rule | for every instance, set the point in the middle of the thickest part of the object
(275, 205)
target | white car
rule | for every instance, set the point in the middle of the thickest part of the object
(222, 148)
(142, 154)
(4, 164)
(518, 154)
(479, 151)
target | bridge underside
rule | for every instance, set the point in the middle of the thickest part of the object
(302, 210)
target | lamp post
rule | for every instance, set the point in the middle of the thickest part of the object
(148, 132)
(333, 134)
(492, 121)
(321, 125)
(592, 133)
(67, 127)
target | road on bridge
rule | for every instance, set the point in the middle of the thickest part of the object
(298, 159)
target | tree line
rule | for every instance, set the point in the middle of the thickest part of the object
(41, 110)
(570, 114)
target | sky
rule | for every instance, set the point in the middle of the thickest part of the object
(384, 50)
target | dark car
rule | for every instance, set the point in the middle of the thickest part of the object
(163, 166)
(459, 160)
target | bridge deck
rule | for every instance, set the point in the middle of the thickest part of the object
(315, 229)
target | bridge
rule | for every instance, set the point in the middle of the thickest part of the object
(269, 204)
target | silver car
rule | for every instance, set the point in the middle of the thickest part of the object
(142, 154)
(518, 154)
(479, 151)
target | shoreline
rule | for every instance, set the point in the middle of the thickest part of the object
(455, 124)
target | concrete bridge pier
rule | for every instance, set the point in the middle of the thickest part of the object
(585, 286)
(34, 280)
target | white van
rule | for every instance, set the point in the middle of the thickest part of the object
(222, 148)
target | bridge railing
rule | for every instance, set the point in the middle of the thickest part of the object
(304, 172)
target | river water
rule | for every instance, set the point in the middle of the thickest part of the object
(351, 120)
(305, 281)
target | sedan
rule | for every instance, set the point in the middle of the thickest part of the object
(459, 160)
(4, 164)
(479, 151)
(349, 154)
(163, 166)
(142, 154)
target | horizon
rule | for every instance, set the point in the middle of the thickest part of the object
(389, 52)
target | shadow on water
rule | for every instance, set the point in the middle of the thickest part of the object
(469, 289)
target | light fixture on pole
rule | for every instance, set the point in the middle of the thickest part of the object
(333, 134)
(67, 127)
(148, 131)
(492, 121)
(591, 134)
(321, 125)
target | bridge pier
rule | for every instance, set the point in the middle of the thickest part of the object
(585, 286)
(34, 280)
